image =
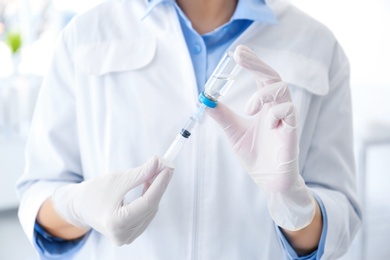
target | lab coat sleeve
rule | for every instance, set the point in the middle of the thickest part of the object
(317, 254)
(52, 152)
(329, 168)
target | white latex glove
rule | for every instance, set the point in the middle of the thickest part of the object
(266, 143)
(98, 203)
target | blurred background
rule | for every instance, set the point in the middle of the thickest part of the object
(28, 30)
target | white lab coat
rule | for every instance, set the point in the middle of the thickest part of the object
(121, 87)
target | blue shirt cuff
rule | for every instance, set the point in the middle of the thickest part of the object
(317, 254)
(51, 247)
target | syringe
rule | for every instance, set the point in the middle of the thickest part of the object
(217, 86)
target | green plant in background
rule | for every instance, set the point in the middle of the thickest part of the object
(14, 41)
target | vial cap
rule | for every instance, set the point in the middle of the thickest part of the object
(208, 102)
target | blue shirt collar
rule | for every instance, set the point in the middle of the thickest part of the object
(253, 10)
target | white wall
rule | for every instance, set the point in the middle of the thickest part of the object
(363, 29)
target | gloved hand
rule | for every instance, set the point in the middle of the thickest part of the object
(266, 143)
(98, 203)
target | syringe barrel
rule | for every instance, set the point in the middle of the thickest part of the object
(174, 149)
(222, 78)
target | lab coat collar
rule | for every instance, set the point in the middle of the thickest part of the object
(153, 3)
(255, 10)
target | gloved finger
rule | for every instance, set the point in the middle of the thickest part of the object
(162, 164)
(158, 186)
(274, 93)
(140, 227)
(134, 177)
(282, 115)
(248, 59)
(232, 124)
(131, 227)
(147, 185)
(149, 201)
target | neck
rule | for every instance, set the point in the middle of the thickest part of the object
(207, 15)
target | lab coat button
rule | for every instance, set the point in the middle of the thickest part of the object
(197, 48)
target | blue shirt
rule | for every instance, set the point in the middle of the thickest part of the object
(205, 50)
